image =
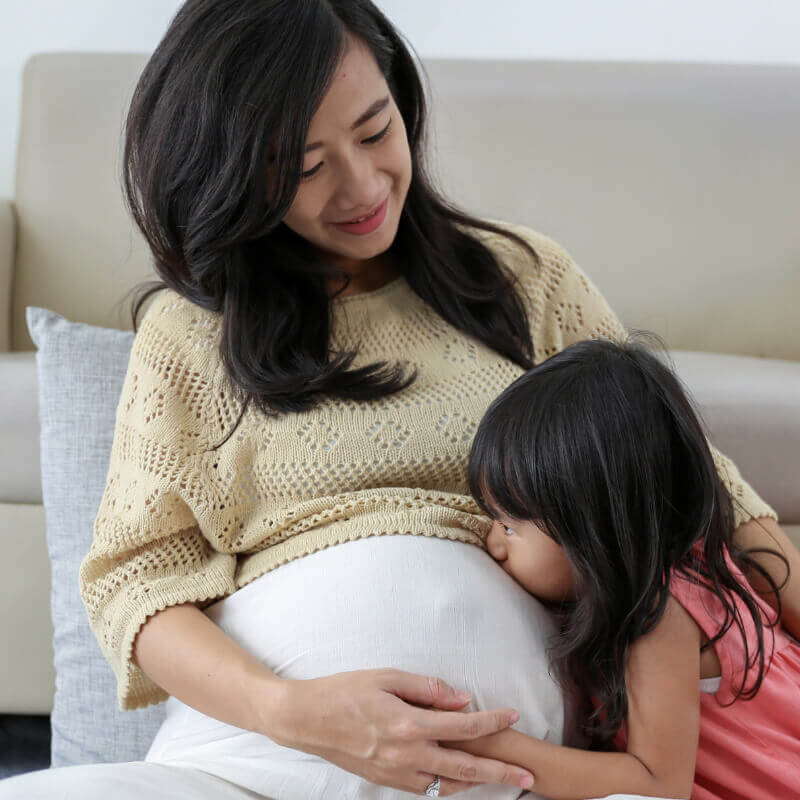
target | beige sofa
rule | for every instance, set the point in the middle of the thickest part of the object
(674, 186)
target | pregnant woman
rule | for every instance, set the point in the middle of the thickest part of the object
(286, 551)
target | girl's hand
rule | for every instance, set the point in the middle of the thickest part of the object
(490, 746)
(369, 722)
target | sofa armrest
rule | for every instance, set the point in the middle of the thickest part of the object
(751, 407)
(20, 467)
(27, 672)
(8, 248)
(27, 676)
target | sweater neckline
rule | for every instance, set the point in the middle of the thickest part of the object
(385, 289)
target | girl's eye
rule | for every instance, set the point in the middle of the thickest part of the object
(509, 531)
(372, 140)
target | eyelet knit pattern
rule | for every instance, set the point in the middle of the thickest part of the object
(178, 524)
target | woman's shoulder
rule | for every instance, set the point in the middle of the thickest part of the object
(549, 252)
(173, 330)
(174, 311)
(564, 305)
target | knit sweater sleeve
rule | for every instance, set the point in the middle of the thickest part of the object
(565, 306)
(148, 550)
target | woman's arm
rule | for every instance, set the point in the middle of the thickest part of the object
(192, 658)
(663, 682)
(766, 533)
(362, 721)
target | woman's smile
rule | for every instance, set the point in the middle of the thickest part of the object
(367, 224)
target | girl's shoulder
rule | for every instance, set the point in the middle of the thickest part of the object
(735, 646)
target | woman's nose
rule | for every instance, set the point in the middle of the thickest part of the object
(358, 185)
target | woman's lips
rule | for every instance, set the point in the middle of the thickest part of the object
(354, 220)
(368, 225)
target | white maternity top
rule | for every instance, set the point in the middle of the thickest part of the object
(422, 604)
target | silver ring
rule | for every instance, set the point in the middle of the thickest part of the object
(433, 788)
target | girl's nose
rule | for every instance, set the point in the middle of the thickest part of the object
(495, 543)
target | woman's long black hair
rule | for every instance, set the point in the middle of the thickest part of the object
(233, 86)
(600, 445)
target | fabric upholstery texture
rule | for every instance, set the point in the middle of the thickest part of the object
(81, 369)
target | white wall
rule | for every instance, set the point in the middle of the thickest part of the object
(681, 30)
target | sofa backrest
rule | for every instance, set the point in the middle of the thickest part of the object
(78, 251)
(675, 186)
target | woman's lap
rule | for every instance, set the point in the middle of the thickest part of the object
(463, 619)
(132, 780)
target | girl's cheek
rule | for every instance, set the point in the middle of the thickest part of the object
(495, 544)
(494, 550)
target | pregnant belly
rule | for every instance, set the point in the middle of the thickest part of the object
(422, 604)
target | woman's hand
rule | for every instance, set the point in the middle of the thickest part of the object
(370, 723)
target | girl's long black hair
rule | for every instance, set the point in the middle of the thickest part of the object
(601, 446)
(232, 86)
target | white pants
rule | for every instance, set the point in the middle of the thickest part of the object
(133, 780)
(415, 603)
(136, 780)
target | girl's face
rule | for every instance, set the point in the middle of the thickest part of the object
(358, 153)
(532, 558)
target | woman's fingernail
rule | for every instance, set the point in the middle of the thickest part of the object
(513, 717)
(526, 782)
(463, 696)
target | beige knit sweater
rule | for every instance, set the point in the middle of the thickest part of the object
(179, 525)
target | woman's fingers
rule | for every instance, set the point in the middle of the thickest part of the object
(459, 726)
(423, 690)
(459, 766)
(363, 721)
(456, 767)
(447, 786)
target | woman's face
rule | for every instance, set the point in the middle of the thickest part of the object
(532, 558)
(357, 157)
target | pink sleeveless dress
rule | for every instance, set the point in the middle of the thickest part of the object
(748, 749)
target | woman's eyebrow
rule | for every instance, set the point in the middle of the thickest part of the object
(374, 109)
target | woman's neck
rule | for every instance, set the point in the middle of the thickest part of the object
(371, 275)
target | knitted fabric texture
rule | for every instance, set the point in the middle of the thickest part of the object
(179, 524)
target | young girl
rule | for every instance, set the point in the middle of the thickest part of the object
(608, 505)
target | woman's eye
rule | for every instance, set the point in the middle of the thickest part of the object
(311, 171)
(378, 136)
(372, 140)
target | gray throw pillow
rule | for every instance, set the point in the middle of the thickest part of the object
(81, 369)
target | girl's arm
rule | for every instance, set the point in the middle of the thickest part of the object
(765, 532)
(663, 681)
